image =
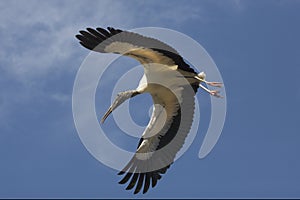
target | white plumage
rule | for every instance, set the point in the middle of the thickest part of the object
(171, 82)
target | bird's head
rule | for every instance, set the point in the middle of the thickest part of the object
(120, 98)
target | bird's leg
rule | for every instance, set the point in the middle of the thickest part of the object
(211, 92)
(201, 77)
(121, 97)
(214, 84)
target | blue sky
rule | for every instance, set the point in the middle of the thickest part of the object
(255, 44)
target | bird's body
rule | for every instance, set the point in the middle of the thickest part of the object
(171, 82)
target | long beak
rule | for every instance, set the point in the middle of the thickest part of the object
(106, 114)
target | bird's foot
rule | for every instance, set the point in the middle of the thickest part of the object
(215, 93)
(214, 84)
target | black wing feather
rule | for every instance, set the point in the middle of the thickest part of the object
(140, 183)
(92, 38)
(147, 183)
(154, 180)
(104, 32)
(152, 177)
(133, 181)
(114, 31)
(96, 33)
(178, 60)
(126, 178)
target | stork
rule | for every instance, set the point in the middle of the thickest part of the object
(171, 82)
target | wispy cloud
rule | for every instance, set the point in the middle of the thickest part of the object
(164, 13)
(38, 46)
(38, 43)
(62, 98)
(37, 36)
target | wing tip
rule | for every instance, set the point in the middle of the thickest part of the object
(142, 181)
(139, 183)
(121, 173)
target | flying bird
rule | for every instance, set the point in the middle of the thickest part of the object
(171, 82)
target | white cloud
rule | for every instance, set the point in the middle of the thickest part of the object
(38, 36)
(62, 98)
(164, 13)
(38, 43)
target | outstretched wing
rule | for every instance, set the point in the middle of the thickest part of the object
(144, 49)
(173, 98)
(164, 136)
